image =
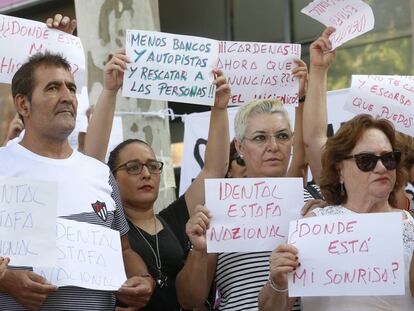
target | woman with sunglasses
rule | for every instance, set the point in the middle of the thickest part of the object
(359, 171)
(159, 239)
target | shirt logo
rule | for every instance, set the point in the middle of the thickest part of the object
(100, 210)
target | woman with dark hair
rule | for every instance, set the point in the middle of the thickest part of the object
(159, 239)
(405, 199)
(237, 167)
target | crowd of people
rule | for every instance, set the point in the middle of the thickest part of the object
(364, 168)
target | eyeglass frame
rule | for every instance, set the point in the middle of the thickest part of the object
(268, 137)
(124, 165)
(396, 154)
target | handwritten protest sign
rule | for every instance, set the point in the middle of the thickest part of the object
(170, 67)
(388, 97)
(352, 254)
(251, 214)
(27, 221)
(21, 38)
(89, 256)
(260, 70)
(351, 18)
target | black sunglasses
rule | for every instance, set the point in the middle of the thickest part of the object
(135, 167)
(366, 162)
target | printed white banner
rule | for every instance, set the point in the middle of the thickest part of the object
(388, 97)
(89, 256)
(347, 255)
(260, 70)
(251, 214)
(170, 67)
(27, 221)
(351, 18)
(21, 38)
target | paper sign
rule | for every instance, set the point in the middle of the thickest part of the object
(351, 18)
(348, 255)
(260, 70)
(116, 137)
(81, 118)
(388, 97)
(170, 67)
(251, 214)
(21, 38)
(27, 221)
(89, 256)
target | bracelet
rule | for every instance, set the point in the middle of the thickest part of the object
(273, 286)
(302, 99)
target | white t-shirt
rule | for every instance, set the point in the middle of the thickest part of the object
(82, 181)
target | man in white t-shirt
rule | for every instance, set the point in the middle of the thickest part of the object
(44, 95)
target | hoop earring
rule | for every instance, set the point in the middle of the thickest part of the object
(342, 188)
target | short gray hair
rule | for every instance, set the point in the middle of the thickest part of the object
(256, 107)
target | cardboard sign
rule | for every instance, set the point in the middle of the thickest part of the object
(260, 70)
(170, 67)
(348, 255)
(351, 18)
(27, 221)
(20, 38)
(89, 256)
(251, 214)
(388, 97)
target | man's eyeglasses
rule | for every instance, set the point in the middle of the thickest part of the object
(135, 167)
(264, 138)
(366, 162)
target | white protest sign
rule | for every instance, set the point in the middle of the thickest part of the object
(81, 118)
(89, 256)
(116, 137)
(351, 18)
(251, 214)
(388, 97)
(27, 221)
(348, 255)
(21, 38)
(170, 67)
(260, 70)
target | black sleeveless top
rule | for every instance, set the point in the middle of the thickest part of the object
(172, 243)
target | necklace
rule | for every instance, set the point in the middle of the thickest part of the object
(161, 279)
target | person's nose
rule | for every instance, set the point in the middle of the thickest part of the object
(379, 167)
(65, 92)
(272, 143)
(145, 173)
